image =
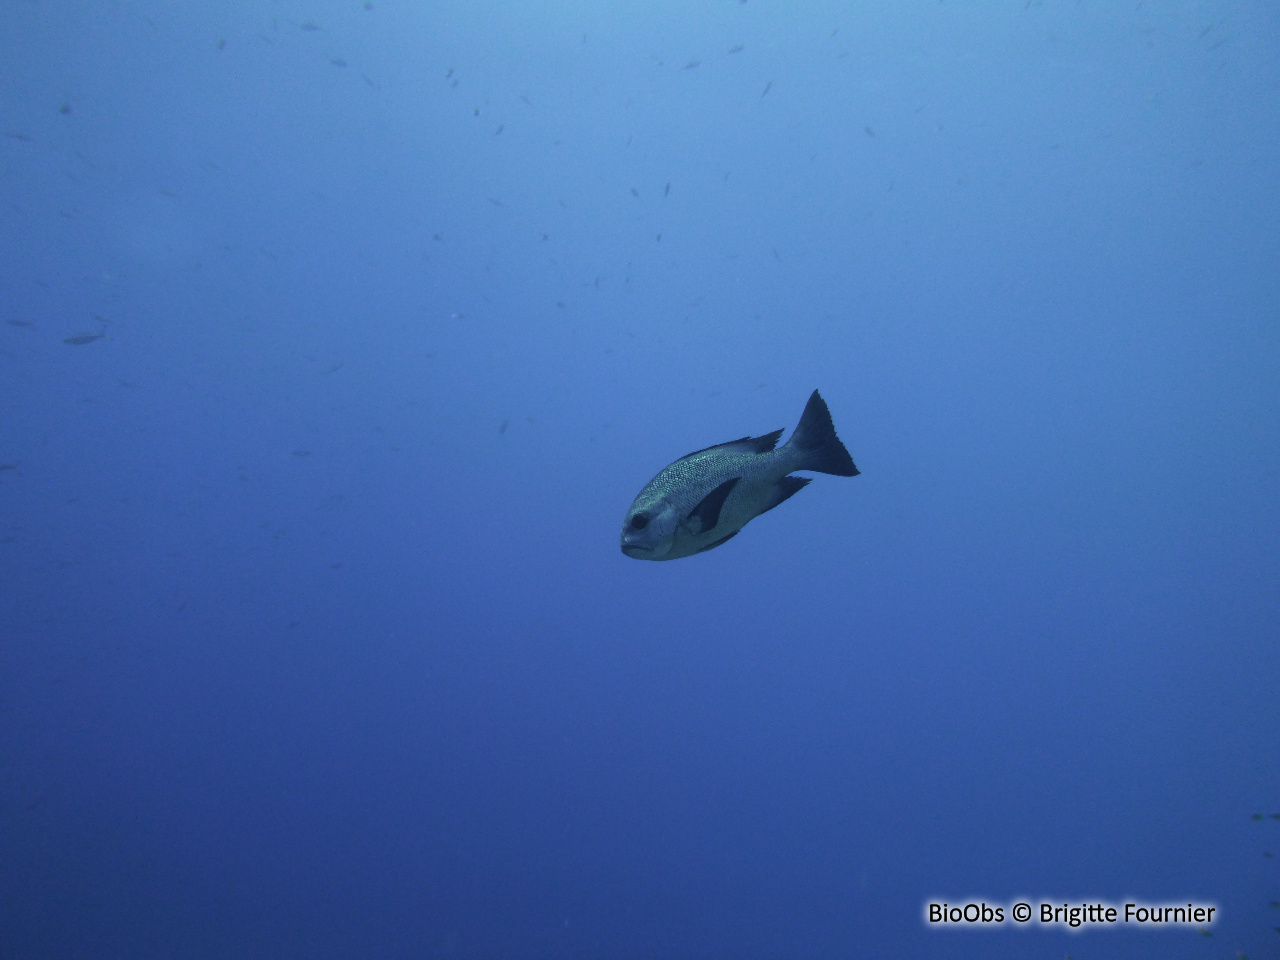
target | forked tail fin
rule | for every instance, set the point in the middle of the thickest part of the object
(816, 443)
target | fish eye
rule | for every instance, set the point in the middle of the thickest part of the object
(639, 521)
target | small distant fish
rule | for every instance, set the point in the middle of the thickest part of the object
(222, 44)
(691, 64)
(65, 109)
(13, 465)
(302, 453)
(80, 339)
(20, 136)
(767, 87)
(870, 132)
(337, 61)
(502, 427)
(501, 127)
(667, 189)
(310, 26)
(20, 323)
(704, 499)
(736, 48)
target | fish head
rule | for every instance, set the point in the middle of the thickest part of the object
(649, 528)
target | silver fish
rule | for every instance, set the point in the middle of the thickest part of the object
(704, 499)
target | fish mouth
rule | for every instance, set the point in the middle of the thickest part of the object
(635, 550)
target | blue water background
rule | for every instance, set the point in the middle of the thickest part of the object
(315, 637)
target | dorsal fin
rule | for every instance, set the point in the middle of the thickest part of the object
(707, 512)
(745, 445)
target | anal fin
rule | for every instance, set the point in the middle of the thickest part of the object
(784, 488)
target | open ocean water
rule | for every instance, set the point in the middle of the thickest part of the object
(336, 338)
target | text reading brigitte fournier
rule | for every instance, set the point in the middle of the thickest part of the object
(941, 914)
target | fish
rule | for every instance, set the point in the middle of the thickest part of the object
(701, 501)
(80, 339)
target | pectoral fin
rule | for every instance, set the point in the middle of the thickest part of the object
(706, 514)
